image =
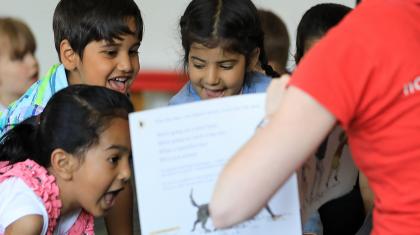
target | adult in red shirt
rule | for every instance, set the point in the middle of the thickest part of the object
(365, 75)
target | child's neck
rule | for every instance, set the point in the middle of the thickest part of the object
(68, 204)
(6, 99)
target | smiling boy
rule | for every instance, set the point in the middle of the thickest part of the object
(97, 42)
(103, 54)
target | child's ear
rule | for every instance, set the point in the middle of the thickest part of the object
(63, 164)
(68, 56)
(254, 59)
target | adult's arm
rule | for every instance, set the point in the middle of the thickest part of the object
(262, 165)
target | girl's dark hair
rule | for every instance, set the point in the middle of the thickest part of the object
(73, 120)
(84, 21)
(232, 24)
(316, 22)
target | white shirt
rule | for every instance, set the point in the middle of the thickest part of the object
(18, 200)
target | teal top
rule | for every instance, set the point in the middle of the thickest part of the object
(35, 98)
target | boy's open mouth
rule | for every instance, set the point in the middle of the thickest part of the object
(214, 93)
(119, 84)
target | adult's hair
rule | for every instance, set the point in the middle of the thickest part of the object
(316, 22)
(231, 24)
(73, 120)
(84, 21)
(276, 38)
(17, 35)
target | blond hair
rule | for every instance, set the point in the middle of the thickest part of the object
(18, 36)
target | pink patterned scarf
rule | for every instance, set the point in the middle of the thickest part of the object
(44, 185)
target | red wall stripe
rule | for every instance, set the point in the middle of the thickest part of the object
(158, 81)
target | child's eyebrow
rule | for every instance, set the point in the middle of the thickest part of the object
(227, 61)
(114, 44)
(119, 148)
(196, 58)
(111, 44)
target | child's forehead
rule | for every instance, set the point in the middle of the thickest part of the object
(15, 46)
(118, 40)
(118, 33)
(6, 47)
(220, 49)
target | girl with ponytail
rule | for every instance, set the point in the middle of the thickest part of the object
(61, 168)
(223, 43)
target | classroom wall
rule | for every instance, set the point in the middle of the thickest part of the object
(160, 49)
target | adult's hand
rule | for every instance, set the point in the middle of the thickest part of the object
(275, 92)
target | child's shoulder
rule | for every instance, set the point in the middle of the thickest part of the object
(186, 95)
(33, 101)
(18, 200)
(43, 89)
(256, 82)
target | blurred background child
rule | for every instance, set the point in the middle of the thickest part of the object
(343, 215)
(276, 40)
(18, 64)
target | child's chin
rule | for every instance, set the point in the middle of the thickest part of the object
(100, 212)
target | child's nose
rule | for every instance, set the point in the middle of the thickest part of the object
(212, 77)
(31, 60)
(125, 173)
(124, 64)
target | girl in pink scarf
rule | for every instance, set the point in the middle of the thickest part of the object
(73, 160)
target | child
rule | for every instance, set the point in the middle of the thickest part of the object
(345, 214)
(223, 42)
(18, 65)
(52, 184)
(315, 23)
(97, 43)
(276, 40)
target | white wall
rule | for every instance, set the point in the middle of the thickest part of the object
(160, 48)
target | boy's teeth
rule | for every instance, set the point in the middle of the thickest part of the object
(117, 85)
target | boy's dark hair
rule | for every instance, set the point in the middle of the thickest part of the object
(316, 22)
(84, 21)
(73, 120)
(232, 24)
(276, 38)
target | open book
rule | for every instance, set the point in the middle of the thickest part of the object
(179, 151)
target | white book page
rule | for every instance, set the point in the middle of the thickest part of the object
(179, 151)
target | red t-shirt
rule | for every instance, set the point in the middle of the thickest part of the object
(366, 72)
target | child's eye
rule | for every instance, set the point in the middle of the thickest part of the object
(18, 58)
(114, 160)
(198, 66)
(111, 53)
(134, 52)
(226, 66)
